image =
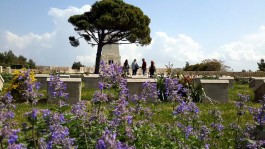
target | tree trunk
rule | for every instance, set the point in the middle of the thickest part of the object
(98, 57)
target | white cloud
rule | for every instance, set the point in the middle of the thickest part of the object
(61, 16)
(53, 48)
(62, 13)
(21, 42)
(86, 59)
(239, 55)
(245, 53)
(165, 49)
(262, 28)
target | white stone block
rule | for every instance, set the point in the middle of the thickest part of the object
(73, 87)
(91, 81)
(216, 90)
(8, 69)
(42, 78)
(1, 83)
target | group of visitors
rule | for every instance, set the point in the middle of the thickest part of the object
(135, 67)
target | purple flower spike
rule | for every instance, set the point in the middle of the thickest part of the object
(101, 144)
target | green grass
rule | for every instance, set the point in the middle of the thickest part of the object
(163, 111)
(240, 89)
(87, 94)
(22, 108)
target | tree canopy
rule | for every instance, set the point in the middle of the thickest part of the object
(261, 65)
(77, 65)
(8, 59)
(207, 65)
(111, 22)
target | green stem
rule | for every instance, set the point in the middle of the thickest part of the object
(193, 123)
(33, 135)
(85, 136)
(238, 122)
(98, 109)
(1, 142)
(60, 103)
(184, 139)
(33, 127)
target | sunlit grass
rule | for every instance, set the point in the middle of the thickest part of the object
(163, 111)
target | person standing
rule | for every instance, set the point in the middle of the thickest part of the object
(135, 67)
(143, 66)
(152, 69)
(126, 68)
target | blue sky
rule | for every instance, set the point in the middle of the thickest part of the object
(187, 30)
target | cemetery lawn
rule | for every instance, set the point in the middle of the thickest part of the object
(163, 110)
(163, 113)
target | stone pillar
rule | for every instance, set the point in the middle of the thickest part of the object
(82, 69)
(1, 69)
(8, 70)
(111, 54)
(1, 82)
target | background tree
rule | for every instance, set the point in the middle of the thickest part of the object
(21, 60)
(9, 58)
(77, 65)
(111, 22)
(261, 65)
(31, 64)
(207, 65)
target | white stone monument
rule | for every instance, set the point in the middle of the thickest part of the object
(42, 79)
(111, 54)
(91, 81)
(1, 83)
(135, 86)
(216, 90)
(8, 69)
(230, 79)
(258, 86)
(73, 87)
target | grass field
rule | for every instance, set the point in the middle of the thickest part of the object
(163, 113)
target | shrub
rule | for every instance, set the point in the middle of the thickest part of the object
(22, 83)
(242, 80)
(7, 77)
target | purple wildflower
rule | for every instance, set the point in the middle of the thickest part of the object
(79, 109)
(60, 136)
(13, 136)
(57, 88)
(129, 119)
(101, 144)
(100, 85)
(45, 113)
(99, 97)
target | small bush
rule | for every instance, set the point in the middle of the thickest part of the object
(20, 84)
(7, 77)
(242, 80)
